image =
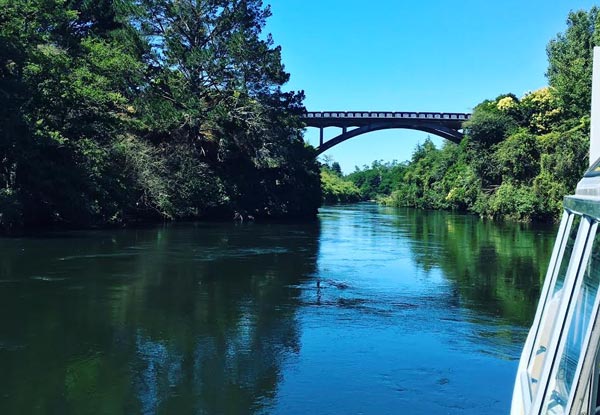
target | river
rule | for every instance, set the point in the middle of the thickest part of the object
(372, 310)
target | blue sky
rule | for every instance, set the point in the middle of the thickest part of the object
(400, 55)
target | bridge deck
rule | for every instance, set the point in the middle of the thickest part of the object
(342, 119)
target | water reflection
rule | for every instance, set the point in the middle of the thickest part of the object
(374, 310)
(497, 268)
(181, 319)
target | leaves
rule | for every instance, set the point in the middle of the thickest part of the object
(119, 111)
(570, 61)
(338, 190)
(517, 161)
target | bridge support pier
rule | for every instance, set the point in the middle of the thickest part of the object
(320, 136)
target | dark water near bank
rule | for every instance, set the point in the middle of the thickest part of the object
(371, 311)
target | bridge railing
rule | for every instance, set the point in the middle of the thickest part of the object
(379, 114)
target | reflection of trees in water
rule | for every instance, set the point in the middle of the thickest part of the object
(497, 267)
(175, 320)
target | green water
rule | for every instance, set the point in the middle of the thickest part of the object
(369, 311)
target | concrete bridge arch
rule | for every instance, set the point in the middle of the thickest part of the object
(446, 125)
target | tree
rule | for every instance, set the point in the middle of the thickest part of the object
(211, 67)
(338, 190)
(519, 157)
(487, 128)
(69, 86)
(336, 168)
(117, 111)
(540, 110)
(215, 87)
(570, 61)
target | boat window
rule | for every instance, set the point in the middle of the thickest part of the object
(581, 311)
(564, 265)
(549, 316)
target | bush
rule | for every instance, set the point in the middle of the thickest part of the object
(337, 190)
(519, 157)
(489, 127)
(515, 202)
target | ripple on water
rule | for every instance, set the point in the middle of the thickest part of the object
(46, 278)
(97, 256)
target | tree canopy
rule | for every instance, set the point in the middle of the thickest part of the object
(117, 111)
(570, 57)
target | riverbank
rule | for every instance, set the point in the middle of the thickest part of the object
(521, 177)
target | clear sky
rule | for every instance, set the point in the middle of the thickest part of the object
(401, 55)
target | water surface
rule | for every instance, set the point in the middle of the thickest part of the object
(371, 310)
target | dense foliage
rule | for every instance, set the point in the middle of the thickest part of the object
(371, 183)
(335, 188)
(520, 156)
(113, 111)
(508, 166)
(377, 180)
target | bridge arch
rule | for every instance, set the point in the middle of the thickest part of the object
(445, 125)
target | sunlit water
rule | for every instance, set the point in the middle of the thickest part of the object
(370, 311)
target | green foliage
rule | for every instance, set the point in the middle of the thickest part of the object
(336, 169)
(112, 112)
(436, 179)
(520, 156)
(540, 111)
(522, 177)
(570, 61)
(336, 189)
(505, 168)
(377, 180)
(119, 111)
(565, 155)
(515, 202)
(488, 127)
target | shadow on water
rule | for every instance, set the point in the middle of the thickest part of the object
(179, 319)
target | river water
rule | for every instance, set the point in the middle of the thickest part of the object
(372, 310)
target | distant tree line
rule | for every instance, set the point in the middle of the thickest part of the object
(336, 188)
(520, 155)
(119, 111)
(371, 183)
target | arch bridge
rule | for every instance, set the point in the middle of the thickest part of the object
(446, 125)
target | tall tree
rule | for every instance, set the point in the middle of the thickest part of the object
(216, 86)
(570, 61)
(209, 60)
